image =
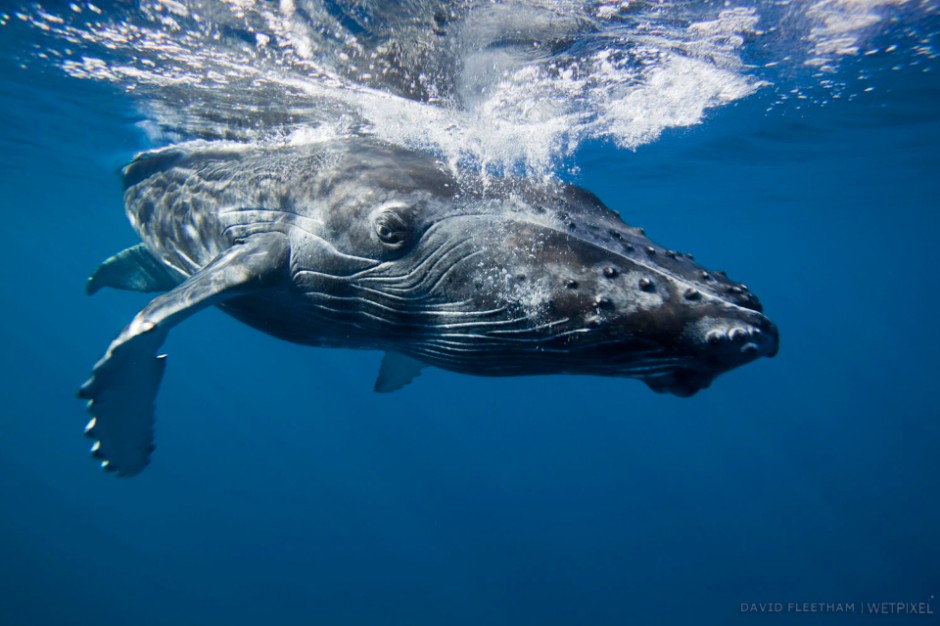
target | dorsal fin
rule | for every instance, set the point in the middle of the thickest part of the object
(133, 269)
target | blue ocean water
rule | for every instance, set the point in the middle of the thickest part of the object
(284, 491)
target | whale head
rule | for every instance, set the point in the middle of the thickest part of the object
(516, 277)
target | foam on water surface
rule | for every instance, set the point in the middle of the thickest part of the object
(509, 85)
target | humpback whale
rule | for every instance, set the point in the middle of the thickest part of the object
(356, 243)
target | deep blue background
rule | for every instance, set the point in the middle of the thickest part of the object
(284, 491)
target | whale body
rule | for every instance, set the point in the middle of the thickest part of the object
(359, 244)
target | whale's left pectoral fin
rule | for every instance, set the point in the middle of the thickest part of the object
(396, 371)
(133, 269)
(124, 383)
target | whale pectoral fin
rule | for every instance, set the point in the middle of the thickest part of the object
(133, 269)
(396, 371)
(120, 396)
(124, 383)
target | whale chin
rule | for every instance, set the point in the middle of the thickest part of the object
(682, 382)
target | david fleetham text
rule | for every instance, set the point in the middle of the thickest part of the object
(868, 608)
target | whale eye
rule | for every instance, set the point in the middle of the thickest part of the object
(391, 227)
